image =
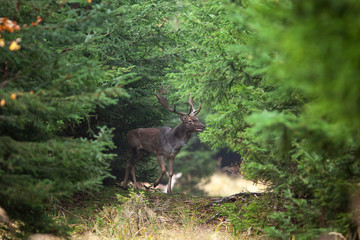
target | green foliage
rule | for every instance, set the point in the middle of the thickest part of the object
(252, 215)
(65, 83)
(136, 46)
(40, 170)
(279, 78)
(313, 153)
(49, 84)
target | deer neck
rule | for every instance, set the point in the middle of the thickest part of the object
(181, 133)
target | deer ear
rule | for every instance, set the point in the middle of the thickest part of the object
(183, 117)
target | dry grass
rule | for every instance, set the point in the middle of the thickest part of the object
(166, 234)
(117, 214)
(156, 217)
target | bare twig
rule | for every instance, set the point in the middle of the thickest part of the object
(212, 218)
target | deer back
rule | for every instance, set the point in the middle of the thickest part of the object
(153, 140)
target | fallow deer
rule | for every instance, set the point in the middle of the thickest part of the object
(164, 142)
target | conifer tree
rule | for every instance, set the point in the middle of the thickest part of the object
(64, 68)
(279, 77)
(50, 79)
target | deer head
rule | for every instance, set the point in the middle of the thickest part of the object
(189, 119)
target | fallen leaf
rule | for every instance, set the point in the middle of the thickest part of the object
(14, 46)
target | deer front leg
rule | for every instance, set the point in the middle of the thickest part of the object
(163, 170)
(171, 173)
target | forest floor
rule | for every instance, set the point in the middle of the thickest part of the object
(114, 213)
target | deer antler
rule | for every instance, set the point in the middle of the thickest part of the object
(164, 103)
(163, 100)
(193, 111)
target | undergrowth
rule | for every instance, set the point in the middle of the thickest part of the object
(132, 218)
(249, 216)
(139, 214)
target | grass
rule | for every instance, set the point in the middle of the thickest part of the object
(137, 214)
(114, 213)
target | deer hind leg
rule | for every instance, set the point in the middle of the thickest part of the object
(129, 164)
(130, 168)
(163, 170)
(136, 185)
(138, 155)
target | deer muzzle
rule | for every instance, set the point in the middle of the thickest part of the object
(200, 128)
